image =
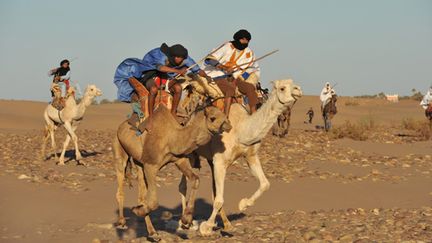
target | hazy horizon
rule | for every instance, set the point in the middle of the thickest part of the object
(366, 47)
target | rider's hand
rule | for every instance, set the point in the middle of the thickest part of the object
(182, 71)
(227, 70)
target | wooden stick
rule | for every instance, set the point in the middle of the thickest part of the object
(201, 60)
(262, 57)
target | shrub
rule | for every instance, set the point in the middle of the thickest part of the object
(422, 128)
(349, 130)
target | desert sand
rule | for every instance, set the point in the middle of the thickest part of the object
(323, 188)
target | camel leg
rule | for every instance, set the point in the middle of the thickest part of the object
(71, 130)
(150, 203)
(206, 228)
(183, 189)
(227, 224)
(120, 160)
(53, 142)
(44, 141)
(185, 167)
(257, 171)
(65, 145)
(142, 192)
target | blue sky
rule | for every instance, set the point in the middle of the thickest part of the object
(364, 46)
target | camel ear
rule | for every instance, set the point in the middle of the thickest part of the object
(275, 84)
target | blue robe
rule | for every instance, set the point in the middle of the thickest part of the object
(130, 67)
(134, 67)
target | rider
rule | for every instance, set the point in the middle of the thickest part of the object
(427, 99)
(326, 93)
(157, 67)
(61, 74)
(226, 64)
(310, 113)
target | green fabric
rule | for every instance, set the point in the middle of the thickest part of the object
(136, 108)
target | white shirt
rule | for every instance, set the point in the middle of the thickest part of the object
(229, 56)
(427, 98)
(326, 93)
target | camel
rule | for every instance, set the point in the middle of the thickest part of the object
(243, 140)
(163, 141)
(428, 114)
(70, 117)
(329, 111)
(281, 126)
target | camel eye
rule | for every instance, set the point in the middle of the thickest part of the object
(282, 89)
(212, 119)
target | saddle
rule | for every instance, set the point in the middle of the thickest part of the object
(138, 117)
(58, 103)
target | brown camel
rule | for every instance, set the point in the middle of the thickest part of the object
(164, 141)
(329, 111)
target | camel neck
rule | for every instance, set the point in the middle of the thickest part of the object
(256, 126)
(84, 103)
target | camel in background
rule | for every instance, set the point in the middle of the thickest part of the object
(244, 140)
(281, 126)
(329, 111)
(70, 117)
(163, 141)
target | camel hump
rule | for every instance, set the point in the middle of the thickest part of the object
(161, 117)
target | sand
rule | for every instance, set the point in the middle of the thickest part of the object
(315, 180)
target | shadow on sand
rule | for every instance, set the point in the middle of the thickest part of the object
(137, 227)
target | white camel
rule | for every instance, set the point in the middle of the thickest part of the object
(244, 140)
(70, 117)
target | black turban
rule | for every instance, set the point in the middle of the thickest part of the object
(61, 71)
(238, 36)
(64, 61)
(242, 34)
(174, 51)
(178, 51)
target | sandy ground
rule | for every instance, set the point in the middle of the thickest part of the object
(322, 189)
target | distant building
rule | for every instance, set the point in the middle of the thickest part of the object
(392, 98)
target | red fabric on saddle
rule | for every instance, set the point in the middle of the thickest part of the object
(66, 81)
(160, 81)
(429, 109)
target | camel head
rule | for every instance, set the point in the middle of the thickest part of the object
(286, 91)
(92, 91)
(216, 120)
(55, 88)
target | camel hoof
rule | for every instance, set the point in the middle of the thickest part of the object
(243, 204)
(186, 221)
(60, 163)
(154, 236)
(206, 229)
(121, 224)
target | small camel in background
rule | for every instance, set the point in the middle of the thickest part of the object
(69, 117)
